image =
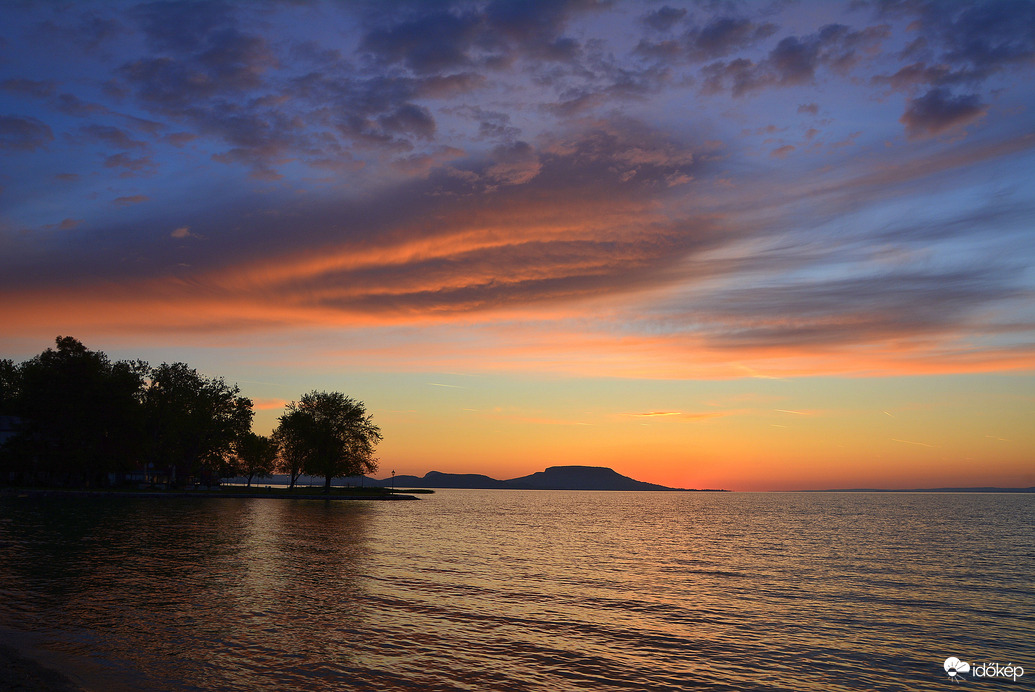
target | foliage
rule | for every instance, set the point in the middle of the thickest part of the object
(327, 434)
(80, 411)
(82, 417)
(290, 439)
(192, 421)
(9, 386)
(257, 456)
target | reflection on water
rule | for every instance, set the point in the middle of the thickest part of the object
(514, 590)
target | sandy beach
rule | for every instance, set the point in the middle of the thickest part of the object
(20, 674)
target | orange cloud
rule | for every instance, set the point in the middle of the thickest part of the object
(681, 415)
(269, 404)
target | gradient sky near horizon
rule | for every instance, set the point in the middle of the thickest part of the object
(749, 245)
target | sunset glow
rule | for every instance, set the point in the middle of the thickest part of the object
(746, 246)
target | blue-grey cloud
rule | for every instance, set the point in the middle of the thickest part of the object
(20, 133)
(664, 18)
(718, 38)
(481, 155)
(938, 110)
(507, 206)
(794, 60)
(29, 87)
(112, 136)
(182, 27)
(897, 304)
(959, 46)
(90, 30)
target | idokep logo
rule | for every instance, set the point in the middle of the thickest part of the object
(953, 667)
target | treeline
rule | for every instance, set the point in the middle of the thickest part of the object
(71, 416)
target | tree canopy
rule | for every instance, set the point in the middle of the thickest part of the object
(82, 417)
(257, 456)
(80, 411)
(327, 434)
(194, 421)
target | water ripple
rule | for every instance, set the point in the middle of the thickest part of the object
(491, 590)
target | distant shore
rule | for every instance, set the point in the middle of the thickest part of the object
(21, 674)
(923, 490)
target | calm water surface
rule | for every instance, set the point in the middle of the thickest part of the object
(523, 590)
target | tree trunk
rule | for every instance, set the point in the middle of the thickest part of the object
(327, 483)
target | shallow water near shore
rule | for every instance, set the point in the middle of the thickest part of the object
(523, 590)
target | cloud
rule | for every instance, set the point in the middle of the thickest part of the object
(130, 167)
(65, 225)
(182, 27)
(430, 43)
(130, 200)
(663, 18)
(229, 62)
(681, 415)
(411, 119)
(853, 310)
(112, 136)
(959, 49)
(88, 30)
(545, 165)
(718, 38)
(491, 124)
(725, 35)
(70, 104)
(23, 133)
(938, 111)
(514, 164)
(574, 216)
(29, 87)
(268, 103)
(795, 60)
(184, 232)
(269, 404)
(978, 39)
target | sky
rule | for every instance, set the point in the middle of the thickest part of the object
(747, 245)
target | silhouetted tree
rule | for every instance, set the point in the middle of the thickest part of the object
(194, 422)
(9, 386)
(80, 412)
(328, 434)
(290, 438)
(11, 458)
(257, 456)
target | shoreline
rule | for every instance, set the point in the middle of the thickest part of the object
(164, 494)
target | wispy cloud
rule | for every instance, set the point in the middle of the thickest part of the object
(682, 415)
(911, 442)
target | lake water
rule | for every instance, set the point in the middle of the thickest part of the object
(524, 590)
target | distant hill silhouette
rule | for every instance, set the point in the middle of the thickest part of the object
(437, 479)
(553, 478)
(581, 478)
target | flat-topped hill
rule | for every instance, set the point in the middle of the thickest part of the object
(553, 478)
